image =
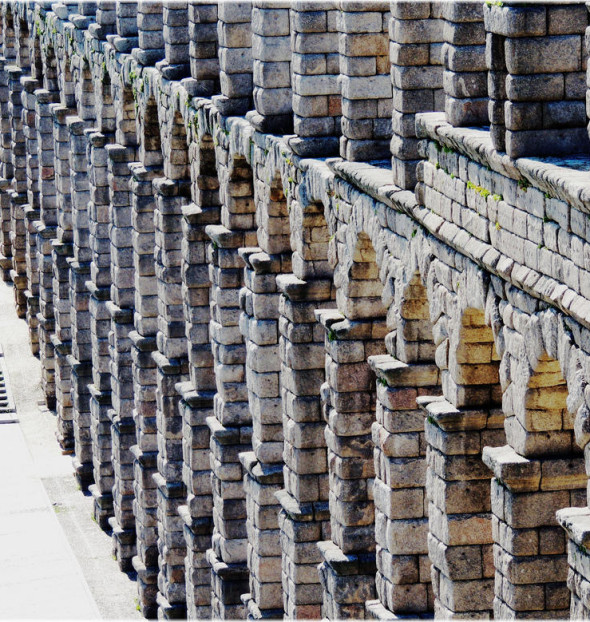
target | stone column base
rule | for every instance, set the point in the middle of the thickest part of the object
(228, 582)
(261, 482)
(576, 522)
(302, 527)
(348, 581)
(529, 547)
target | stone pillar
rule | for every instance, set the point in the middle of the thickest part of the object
(195, 407)
(46, 232)
(18, 195)
(32, 209)
(196, 404)
(230, 428)
(98, 287)
(87, 9)
(5, 245)
(537, 78)
(460, 527)
(62, 250)
(271, 55)
(143, 340)
(204, 59)
(529, 546)
(263, 473)
(150, 33)
(576, 522)
(416, 34)
(126, 23)
(120, 308)
(401, 506)
(365, 80)
(348, 568)
(315, 69)
(79, 265)
(465, 77)
(172, 368)
(304, 518)
(176, 63)
(5, 124)
(234, 32)
(106, 17)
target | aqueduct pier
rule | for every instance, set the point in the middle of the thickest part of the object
(310, 287)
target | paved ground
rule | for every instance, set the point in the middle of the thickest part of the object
(55, 562)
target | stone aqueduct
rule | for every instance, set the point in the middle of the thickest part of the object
(310, 287)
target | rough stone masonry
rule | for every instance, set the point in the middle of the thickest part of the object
(310, 287)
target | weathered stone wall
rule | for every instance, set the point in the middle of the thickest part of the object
(300, 385)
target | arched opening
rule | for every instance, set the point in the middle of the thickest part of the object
(81, 91)
(150, 145)
(125, 132)
(9, 35)
(176, 165)
(105, 108)
(50, 74)
(472, 379)
(360, 297)
(37, 59)
(121, 157)
(264, 264)
(310, 237)
(414, 343)
(23, 52)
(272, 218)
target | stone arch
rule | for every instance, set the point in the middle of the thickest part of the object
(310, 238)
(302, 351)
(543, 385)
(233, 244)
(472, 377)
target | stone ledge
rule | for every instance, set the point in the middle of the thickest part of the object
(520, 474)
(576, 521)
(567, 184)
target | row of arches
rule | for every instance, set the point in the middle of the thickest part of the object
(278, 360)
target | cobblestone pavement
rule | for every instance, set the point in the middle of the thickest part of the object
(54, 560)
